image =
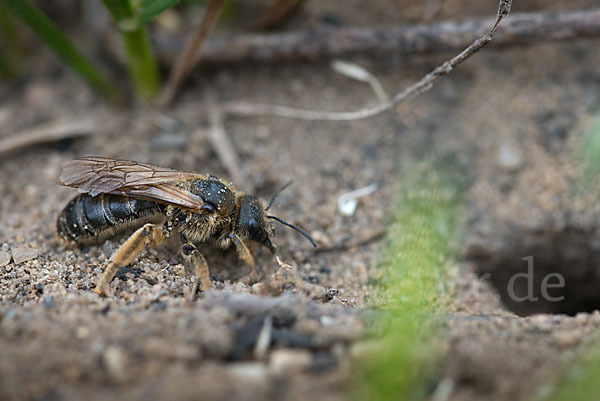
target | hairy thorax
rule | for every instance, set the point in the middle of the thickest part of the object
(201, 228)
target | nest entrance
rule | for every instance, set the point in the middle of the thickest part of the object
(545, 273)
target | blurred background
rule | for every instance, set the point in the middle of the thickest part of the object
(441, 280)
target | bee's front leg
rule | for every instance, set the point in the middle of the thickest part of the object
(195, 258)
(148, 234)
(242, 250)
(245, 255)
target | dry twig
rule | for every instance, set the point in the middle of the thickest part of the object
(223, 147)
(276, 14)
(424, 84)
(358, 73)
(368, 239)
(311, 44)
(53, 132)
(188, 57)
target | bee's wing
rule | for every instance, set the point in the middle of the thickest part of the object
(95, 175)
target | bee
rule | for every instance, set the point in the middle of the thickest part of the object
(116, 195)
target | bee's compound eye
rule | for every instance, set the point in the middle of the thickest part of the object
(251, 220)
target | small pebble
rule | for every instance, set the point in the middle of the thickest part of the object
(509, 157)
(114, 361)
(255, 372)
(581, 318)
(541, 322)
(82, 333)
(323, 361)
(286, 360)
(23, 254)
(567, 339)
(4, 258)
(48, 302)
(363, 349)
(107, 249)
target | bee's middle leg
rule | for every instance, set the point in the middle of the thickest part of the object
(199, 265)
(148, 234)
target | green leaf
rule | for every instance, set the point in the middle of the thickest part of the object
(141, 64)
(143, 71)
(119, 9)
(61, 46)
(589, 156)
(151, 8)
(144, 13)
(10, 51)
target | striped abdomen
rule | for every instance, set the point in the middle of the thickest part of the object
(88, 219)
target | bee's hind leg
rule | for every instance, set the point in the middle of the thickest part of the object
(148, 234)
(199, 265)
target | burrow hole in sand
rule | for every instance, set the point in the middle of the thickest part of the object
(520, 272)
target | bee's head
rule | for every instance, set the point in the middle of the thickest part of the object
(252, 222)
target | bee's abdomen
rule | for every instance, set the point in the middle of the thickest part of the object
(87, 218)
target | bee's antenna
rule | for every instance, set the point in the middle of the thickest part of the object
(277, 193)
(301, 231)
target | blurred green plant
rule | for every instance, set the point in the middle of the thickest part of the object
(581, 382)
(145, 11)
(10, 52)
(588, 153)
(418, 249)
(63, 48)
(130, 17)
(227, 15)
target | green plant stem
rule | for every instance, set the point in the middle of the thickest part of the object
(10, 52)
(63, 48)
(588, 154)
(418, 248)
(141, 64)
(151, 8)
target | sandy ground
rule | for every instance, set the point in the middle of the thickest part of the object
(513, 115)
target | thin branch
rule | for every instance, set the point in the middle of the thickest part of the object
(248, 109)
(424, 84)
(276, 14)
(188, 57)
(53, 132)
(356, 72)
(223, 147)
(366, 240)
(311, 44)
